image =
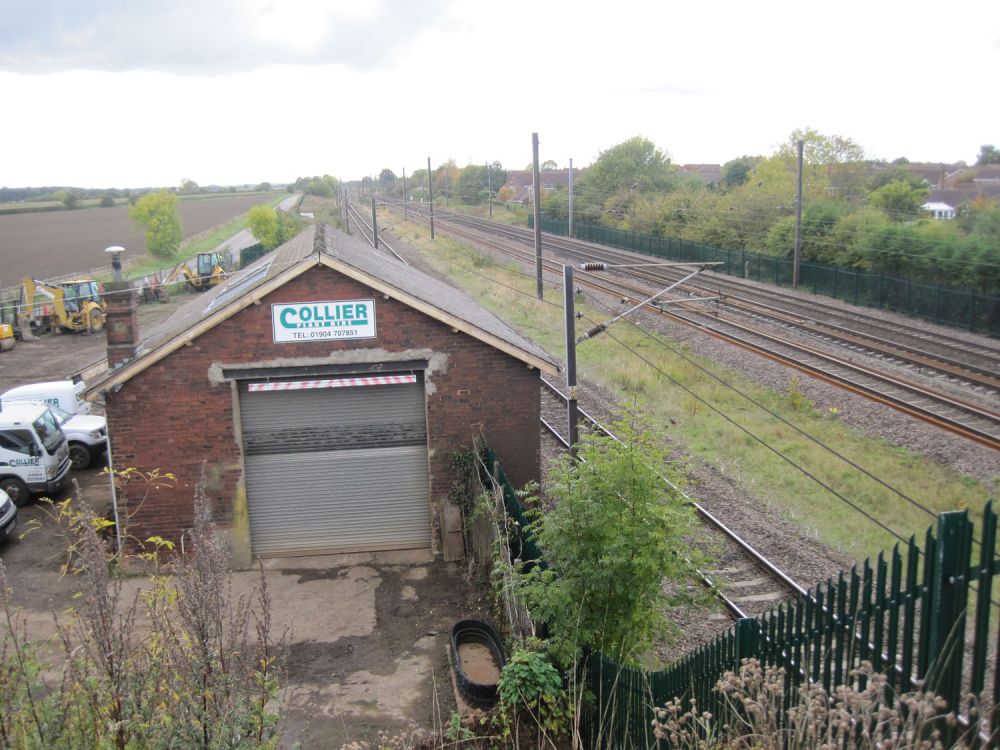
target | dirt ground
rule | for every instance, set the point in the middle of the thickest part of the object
(58, 357)
(368, 633)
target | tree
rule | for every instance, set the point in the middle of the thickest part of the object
(264, 187)
(156, 213)
(737, 171)
(72, 200)
(188, 187)
(386, 177)
(262, 220)
(822, 149)
(547, 164)
(270, 226)
(320, 188)
(899, 199)
(609, 542)
(107, 200)
(446, 180)
(838, 160)
(988, 154)
(633, 165)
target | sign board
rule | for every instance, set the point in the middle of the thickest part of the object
(323, 321)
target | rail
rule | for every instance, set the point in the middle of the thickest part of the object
(882, 386)
(748, 549)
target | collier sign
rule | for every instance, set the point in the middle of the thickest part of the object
(323, 321)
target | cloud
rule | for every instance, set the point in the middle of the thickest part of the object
(196, 37)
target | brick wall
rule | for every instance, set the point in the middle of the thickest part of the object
(173, 418)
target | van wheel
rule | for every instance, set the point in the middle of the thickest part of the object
(16, 490)
(79, 455)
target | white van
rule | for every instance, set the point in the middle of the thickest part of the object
(65, 394)
(34, 452)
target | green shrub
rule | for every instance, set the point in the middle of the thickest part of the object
(529, 683)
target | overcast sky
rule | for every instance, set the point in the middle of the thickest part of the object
(130, 93)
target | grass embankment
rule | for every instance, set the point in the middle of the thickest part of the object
(670, 388)
(502, 213)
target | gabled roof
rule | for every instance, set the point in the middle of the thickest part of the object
(710, 174)
(519, 181)
(320, 245)
(966, 194)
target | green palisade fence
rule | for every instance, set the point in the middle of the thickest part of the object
(958, 308)
(923, 614)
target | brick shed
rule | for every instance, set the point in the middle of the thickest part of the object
(319, 392)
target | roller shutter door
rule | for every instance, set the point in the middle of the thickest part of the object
(331, 468)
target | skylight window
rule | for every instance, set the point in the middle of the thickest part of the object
(235, 287)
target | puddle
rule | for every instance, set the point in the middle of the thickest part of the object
(477, 663)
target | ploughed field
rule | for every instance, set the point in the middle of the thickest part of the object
(50, 244)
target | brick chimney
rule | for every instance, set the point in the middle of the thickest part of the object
(122, 323)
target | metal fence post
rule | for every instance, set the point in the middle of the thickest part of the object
(747, 640)
(948, 601)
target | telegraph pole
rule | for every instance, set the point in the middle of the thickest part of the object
(570, 198)
(571, 407)
(405, 216)
(537, 201)
(430, 193)
(374, 219)
(489, 186)
(798, 224)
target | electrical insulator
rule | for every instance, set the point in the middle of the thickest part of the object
(599, 328)
(594, 266)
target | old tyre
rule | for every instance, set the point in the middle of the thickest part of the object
(79, 455)
(95, 321)
(16, 490)
(476, 694)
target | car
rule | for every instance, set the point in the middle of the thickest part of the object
(8, 516)
(87, 435)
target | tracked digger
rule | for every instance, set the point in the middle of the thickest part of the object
(45, 306)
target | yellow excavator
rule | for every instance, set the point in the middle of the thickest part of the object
(210, 270)
(45, 306)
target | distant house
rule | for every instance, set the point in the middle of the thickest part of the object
(963, 194)
(518, 187)
(939, 210)
(710, 174)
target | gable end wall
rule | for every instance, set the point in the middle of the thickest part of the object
(177, 416)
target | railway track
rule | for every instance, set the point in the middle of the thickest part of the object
(744, 580)
(355, 217)
(961, 397)
(976, 363)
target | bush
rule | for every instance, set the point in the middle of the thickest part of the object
(180, 663)
(530, 684)
(609, 543)
(756, 713)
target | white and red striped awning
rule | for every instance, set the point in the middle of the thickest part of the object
(301, 385)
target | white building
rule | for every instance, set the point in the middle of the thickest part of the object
(939, 210)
